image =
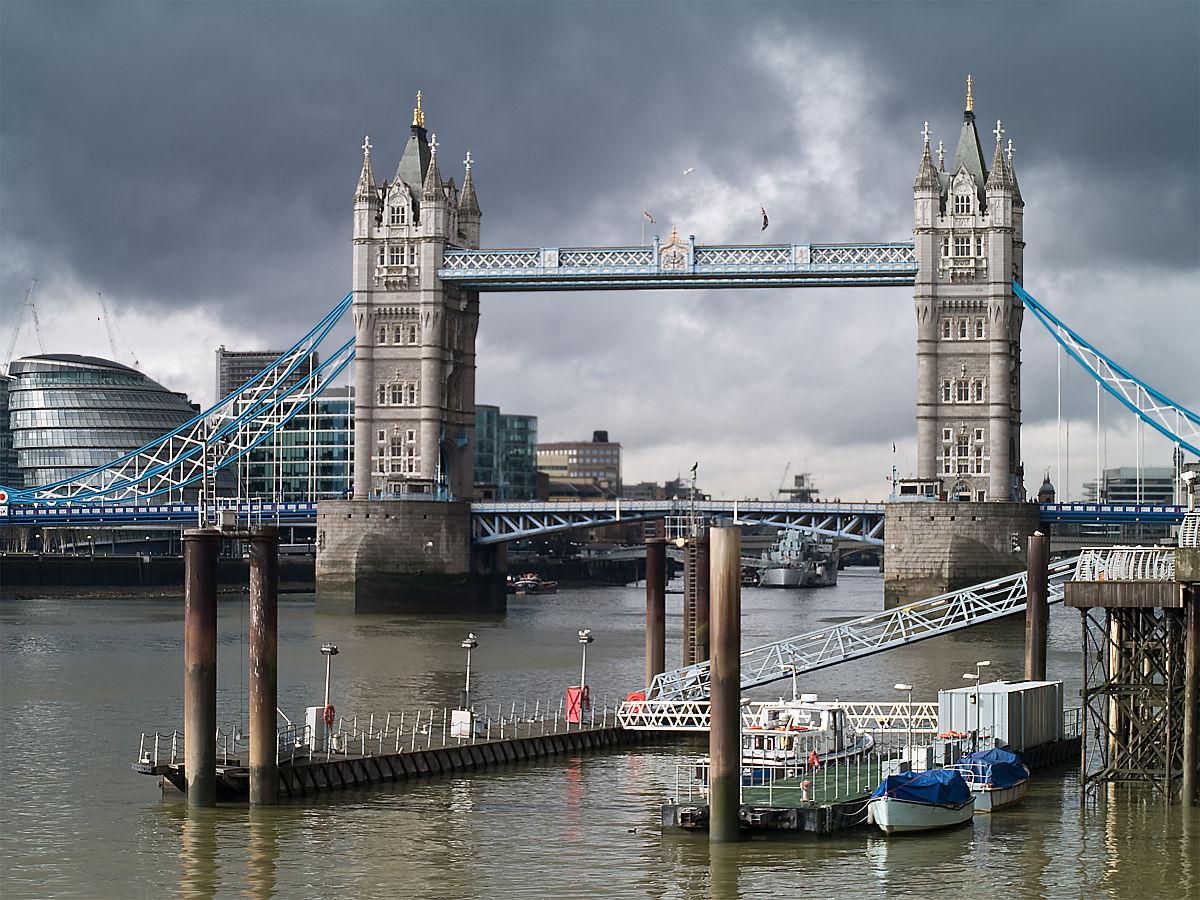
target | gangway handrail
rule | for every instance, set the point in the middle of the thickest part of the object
(868, 635)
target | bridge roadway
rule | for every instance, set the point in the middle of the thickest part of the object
(501, 521)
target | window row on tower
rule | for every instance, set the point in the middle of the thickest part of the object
(963, 390)
(398, 255)
(962, 329)
(401, 454)
(398, 393)
(401, 333)
(969, 244)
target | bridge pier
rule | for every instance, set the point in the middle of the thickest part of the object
(935, 546)
(382, 556)
(264, 664)
(200, 665)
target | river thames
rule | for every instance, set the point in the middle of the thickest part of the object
(82, 678)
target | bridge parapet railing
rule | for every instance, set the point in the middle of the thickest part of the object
(1126, 564)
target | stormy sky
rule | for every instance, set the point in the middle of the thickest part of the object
(195, 164)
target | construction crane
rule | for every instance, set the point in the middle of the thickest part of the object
(108, 326)
(27, 301)
(783, 481)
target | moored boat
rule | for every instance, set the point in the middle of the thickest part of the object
(531, 583)
(996, 777)
(936, 798)
(799, 560)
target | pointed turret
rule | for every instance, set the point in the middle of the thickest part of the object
(927, 190)
(969, 153)
(431, 188)
(468, 209)
(415, 159)
(366, 178)
(927, 178)
(1001, 177)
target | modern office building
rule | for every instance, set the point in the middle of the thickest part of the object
(505, 455)
(10, 475)
(583, 464)
(1129, 484)
(68, 414)
(309, 458)
(236, 367)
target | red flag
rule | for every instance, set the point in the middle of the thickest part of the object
(764, 212)
(648, 216)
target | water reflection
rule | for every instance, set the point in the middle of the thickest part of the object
(201, 869)
(264, 852)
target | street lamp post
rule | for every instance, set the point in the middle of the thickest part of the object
(975, 676)
(585, 638)
(330, 651)
(470, 642)
(909, 715)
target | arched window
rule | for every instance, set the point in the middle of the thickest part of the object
(395, 217)
(962, 329)
(962, 204)
(979, 329)
(945, 328)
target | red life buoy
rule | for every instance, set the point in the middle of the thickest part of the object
(329, 714)
(814, 760)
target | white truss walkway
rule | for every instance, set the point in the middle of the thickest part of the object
(678, 700)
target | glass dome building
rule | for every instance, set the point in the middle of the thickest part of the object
(69, 414)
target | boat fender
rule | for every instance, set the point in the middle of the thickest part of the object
(329, 714)
(814, 760)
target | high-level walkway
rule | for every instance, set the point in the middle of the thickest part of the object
(678, 700)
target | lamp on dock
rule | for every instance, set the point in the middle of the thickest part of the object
(470, 642)
(330, 651)
(585, 638)
(975, 676)
(909, 716)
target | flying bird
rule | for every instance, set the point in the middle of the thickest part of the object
(689, 171)
(764, 224)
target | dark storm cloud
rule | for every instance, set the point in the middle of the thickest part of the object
(204, 155)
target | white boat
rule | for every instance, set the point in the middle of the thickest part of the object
(936, 798)
(790, 737)
(799, 560)
(996, 778)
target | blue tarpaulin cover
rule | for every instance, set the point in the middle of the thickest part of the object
(941, 787)
(1000, 768)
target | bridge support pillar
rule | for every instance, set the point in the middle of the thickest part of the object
(939, 546)
(1191, 698)
(264, 670)
(1037, 609)
(200, 665)
(725, 687)
(380, 556)
(656, 601)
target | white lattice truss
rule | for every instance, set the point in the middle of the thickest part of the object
(868, 635)
(693, 715)
(1126, 564)
(216, 437)
(507, 521)
(751, 265)
(1164, 415)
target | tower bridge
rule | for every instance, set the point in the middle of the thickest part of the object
(411, 533)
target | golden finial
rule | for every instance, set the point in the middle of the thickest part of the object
(970, 102)
(418, 115)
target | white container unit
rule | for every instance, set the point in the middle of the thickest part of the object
(1021, 714)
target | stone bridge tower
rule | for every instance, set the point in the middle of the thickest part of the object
(414, 337)
(968, 241)
(403, 542)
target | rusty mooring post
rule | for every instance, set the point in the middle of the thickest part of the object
(1191, 697)
(200, 665)
(703, 597)
(656, 601)
(1037, 609)
(725, 686)
(264, 669)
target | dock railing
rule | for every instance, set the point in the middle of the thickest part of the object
(394, 732)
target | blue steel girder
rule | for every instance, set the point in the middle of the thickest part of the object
(642, 268)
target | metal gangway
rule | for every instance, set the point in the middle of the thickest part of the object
(678, 700)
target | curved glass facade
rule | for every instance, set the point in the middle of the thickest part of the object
(69, 414)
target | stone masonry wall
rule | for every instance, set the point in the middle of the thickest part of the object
(933, 547)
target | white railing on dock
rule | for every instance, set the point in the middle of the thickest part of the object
(692, 715)
(392, 732)
(838, 781)
(1126, 564)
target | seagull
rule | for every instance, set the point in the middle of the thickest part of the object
(689, 171)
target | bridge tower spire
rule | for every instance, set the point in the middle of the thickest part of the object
(969, 249)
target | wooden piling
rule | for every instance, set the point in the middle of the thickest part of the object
(703, 599)
(200, 664)
(656, 601)
(1191, 699)
(725, 688)
(1037, 608)
(264, 670)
